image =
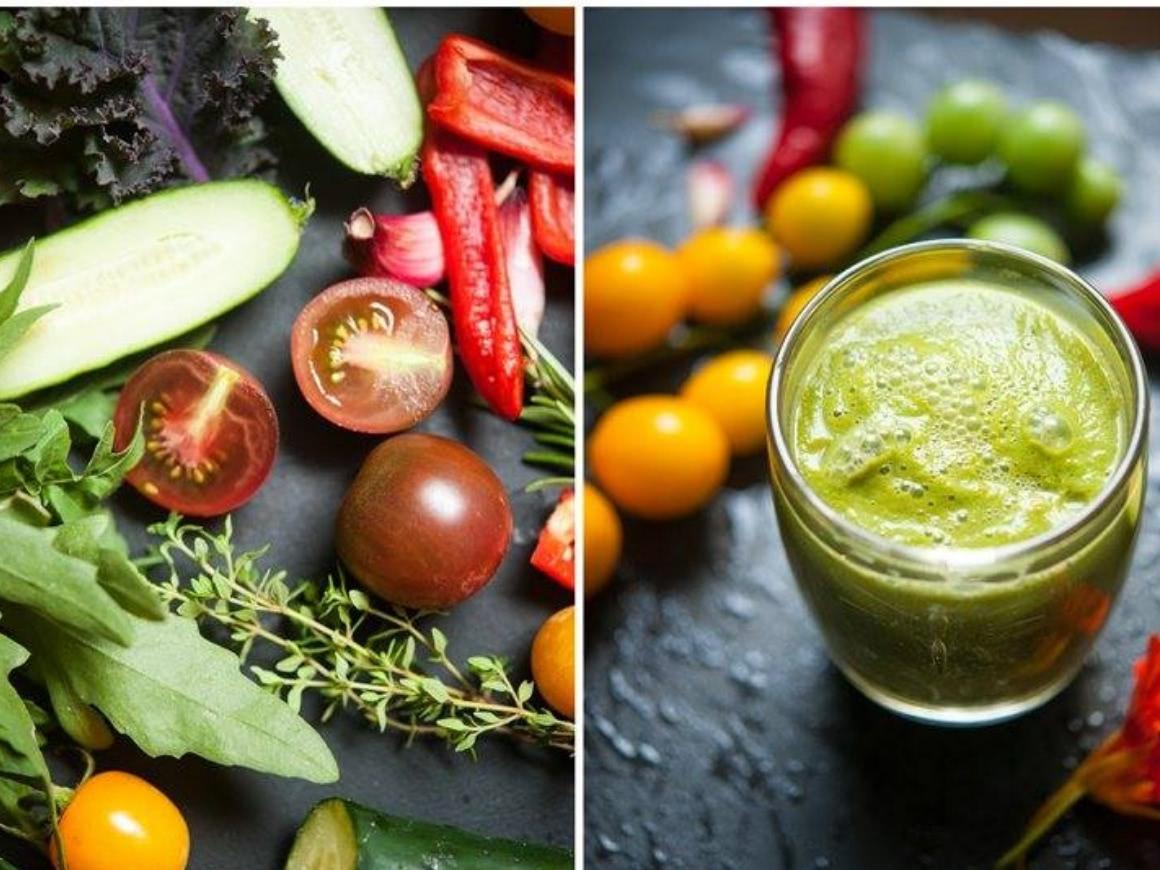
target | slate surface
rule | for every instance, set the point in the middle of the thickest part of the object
(718, 735)
(244, 821)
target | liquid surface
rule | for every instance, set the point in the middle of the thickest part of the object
(958, 413)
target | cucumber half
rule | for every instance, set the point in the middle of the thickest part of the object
(135, 276)
(342, 835)
(345, 77)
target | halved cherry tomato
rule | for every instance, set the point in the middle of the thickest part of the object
(117, 821)
(555, 552)
(372, 355)
(211, 433)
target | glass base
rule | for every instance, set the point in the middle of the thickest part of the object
(961, 717)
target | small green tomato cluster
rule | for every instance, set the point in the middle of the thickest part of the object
(1042, 147)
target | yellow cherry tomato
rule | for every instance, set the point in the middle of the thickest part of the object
(635, 292)
(729, 270)
(731, 388)
(795, 303)
(554, 661)
(603, 538)
(659, 457)
(558, 19)
(117, 821)
(820, 216)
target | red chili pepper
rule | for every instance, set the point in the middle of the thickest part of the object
(503, 105)
(821, 53)
(1139, 306)
(462, 192)
(553, 216)
(555, 552)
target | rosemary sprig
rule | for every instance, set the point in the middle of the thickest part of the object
(336, 643)
(550, 414)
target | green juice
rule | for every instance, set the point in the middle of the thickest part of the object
(959, 416)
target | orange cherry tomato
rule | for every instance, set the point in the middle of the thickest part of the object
(794, 305)
(558, 19)
(728, 269)
(635, 292)
(117, 821)
(731, 387)
(603, 538)
(659, 457)
(554, 661)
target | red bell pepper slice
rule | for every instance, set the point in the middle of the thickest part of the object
(503, 105)
(459, 180)
(555, 552)
(553, 216)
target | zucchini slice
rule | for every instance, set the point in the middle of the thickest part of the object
(345, 77)
(135, 276)
(342, 835)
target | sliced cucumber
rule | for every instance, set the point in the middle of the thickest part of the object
(146, 272)
(341, 835)
(345, 77)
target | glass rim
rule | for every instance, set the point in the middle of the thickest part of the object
(950, 557)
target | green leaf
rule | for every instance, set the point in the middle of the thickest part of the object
(61, 587)
(13, 329)
(26, 779)
(10, 295)
(85, 539)
(18, 431)
(173, 692)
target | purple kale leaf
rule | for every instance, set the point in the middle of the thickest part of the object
(100, 105)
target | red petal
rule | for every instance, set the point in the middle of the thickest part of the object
(1143, 722)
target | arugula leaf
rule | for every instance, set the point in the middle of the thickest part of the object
(87, 538)
(24, 779)
(34, 460)
(10, 295)
(173, 692)
(14, 324)
(64, 588)
(98, 105)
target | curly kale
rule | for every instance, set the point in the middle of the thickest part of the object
(101, 105)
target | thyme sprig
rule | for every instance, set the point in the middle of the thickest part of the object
(383, 662)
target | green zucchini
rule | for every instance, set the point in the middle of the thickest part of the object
(345, 77)
(342, 835)
(135, 276)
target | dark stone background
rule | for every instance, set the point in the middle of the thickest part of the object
(242, 820)
(718, 734)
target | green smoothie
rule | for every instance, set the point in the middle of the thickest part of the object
(958, 413)
(956, 416)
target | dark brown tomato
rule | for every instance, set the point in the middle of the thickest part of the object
(372, 355)
(425, 523)
(211, 433)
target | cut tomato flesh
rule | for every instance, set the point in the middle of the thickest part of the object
(372, 355)
(211, 433)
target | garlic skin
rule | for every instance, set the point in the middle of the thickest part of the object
(405, 247)
(710, 191)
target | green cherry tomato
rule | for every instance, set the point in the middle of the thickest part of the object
(1093, 194)
(964, 120)
(887, 151)
(1022, 231)
(1042, 146)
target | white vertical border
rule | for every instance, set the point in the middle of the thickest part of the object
(578, 365)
